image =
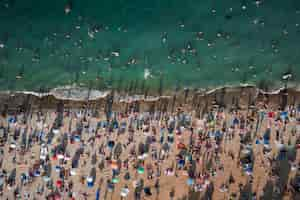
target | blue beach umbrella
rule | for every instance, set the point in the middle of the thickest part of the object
(235, 121)
(57, 168)
(37, 173)
(181, 163)
(110, 144)
(77, 138)
(190, 181)
(284, 115)
(90, 182)
(12, 120)
(218, 133)
(266, 141)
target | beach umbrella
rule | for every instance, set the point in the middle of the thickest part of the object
(37, 173)
(181, 162)
(140, 170)
(218, 134)
(12, 145)
(180, 145)
(55, 131)
(271, 114)
(124, 192)
(90, 181)
(111, 144)
(190, 181)
(12, 120)
(46, 178)
(60, 156)
(115, 180)
(57, 168)
(114, 164)
(59, 183)
(73, 172)
(91, 178)
(77, 138)
(284, 115)
(235, 121)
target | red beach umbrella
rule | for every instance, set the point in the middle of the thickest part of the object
(59, 183)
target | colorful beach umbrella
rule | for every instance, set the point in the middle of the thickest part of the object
(190, 181)
(115, 180)
(57, 168)
(110, 144)
(114, 164)
(46, 178)
(140, 170)
(37, 173)
(90, 182)
(124, 192)
(77, 138)
(59, 183)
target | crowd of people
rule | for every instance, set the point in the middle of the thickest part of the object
(83, 154)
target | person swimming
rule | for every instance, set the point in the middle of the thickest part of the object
(68, 7)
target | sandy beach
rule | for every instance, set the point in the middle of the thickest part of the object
(159, 155)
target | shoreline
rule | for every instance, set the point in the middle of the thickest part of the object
(79, 97)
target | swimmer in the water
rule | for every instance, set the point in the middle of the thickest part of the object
(164, 37)
(68, 7)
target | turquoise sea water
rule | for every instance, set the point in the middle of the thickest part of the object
(195, 43)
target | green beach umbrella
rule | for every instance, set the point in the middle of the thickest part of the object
(115, 180)
(141, 170)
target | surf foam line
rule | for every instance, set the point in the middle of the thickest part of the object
(75, 93)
